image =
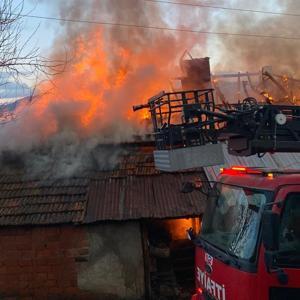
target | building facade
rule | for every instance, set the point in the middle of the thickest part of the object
(108, 235)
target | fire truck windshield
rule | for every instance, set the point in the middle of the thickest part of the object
(232, 219)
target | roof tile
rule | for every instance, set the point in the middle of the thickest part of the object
(134, 190)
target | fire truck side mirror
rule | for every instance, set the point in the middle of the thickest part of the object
(196, 185)
(270, 230)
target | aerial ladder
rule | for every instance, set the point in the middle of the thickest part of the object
(189, 123)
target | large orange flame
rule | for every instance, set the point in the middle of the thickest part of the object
(102, 82)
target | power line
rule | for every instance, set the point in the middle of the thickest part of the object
(225, 8)
(186, 30)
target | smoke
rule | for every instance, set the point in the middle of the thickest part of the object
(109, 69)
(251, 53)
(63, 155)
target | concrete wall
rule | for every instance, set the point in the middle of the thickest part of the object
(115, 268)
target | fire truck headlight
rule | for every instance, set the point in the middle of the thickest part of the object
(280, 119)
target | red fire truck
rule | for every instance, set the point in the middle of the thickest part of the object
(249, 245)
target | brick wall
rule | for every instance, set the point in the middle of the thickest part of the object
(42, 262)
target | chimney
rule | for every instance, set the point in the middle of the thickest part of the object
(197, 72)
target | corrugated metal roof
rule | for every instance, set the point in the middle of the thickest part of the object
(135, 197)
(273, 161)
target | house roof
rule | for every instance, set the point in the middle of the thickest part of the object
(42, 201)
(133, 190)
(142, 196)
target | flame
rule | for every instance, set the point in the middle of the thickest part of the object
(268, 97)
(101, 83)
(285, 78)
(146, 115)
(178, 227)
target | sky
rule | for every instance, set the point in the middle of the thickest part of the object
(45, 31)
(41, 34)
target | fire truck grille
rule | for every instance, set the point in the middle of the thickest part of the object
(277, 293)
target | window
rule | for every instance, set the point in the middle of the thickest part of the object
(232, 219)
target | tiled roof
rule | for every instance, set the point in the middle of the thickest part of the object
(134, 190)
(25, 201)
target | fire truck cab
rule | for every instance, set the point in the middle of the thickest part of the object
(249, 244)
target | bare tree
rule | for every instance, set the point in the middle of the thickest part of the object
(17, 58)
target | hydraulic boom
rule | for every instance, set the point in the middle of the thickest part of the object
(192, 118)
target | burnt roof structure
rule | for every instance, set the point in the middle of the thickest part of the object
(134, 190)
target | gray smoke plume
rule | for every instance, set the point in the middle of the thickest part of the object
(113, 67)
(110, 68)
(63, 155)
(251, 53)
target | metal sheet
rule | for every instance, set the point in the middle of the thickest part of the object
(137, 197)
(273, 161)
(188, 158)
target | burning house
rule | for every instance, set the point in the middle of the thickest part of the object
(109, 227)
(79, 220)
(118, 231)
(118, 234)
